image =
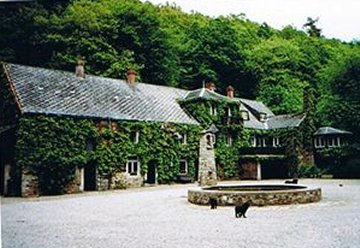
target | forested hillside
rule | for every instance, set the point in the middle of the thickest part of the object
(169, 47)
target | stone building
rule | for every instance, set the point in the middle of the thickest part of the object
(119, 105)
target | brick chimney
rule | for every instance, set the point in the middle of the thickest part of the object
(131, 77)
(230, 91)
(210, 86)
(79, 69)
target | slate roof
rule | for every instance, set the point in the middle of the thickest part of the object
(285, 121)
(46, 91)
(330, 131)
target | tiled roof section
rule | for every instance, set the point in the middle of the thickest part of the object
(329, 131)
(206, 94)
(285, 121)
(57, 92)
(255, 106)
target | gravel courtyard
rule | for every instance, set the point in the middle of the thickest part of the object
(161, 217)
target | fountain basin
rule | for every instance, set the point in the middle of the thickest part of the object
(259, 194)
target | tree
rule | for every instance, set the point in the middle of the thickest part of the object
(312, 30)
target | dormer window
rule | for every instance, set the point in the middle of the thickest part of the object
(263, 117)
(244, 115)
(213, 110)
(134, 136)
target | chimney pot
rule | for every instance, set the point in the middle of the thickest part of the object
(230, 91)
(79, 69)
(131, 77)
(210, 86)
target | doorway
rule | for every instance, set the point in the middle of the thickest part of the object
(151, 173)
(90, 176)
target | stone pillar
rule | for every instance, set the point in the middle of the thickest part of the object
(82, 179)
(207, 167)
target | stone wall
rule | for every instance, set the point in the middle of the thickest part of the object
(120, 180)
(225, 198)
(29, 184)
(207, 167)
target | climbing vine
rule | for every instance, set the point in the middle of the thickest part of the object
(231, 135)
(52, 147)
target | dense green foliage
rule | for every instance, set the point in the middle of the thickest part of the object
(53, 147)
(167, 46)
(227, 152)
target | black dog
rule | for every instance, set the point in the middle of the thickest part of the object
(241, 209)
(213, 203)
(293, 181)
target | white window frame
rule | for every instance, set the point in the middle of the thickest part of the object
(319, 142)
(131, 169)
(213, 110)
(263, 117)
(136, 138)
(184, 139)
(229, 112)
(276, 142)
(253, 141)
(245, 115)
(186, 167)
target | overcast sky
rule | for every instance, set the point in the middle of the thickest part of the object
(337, 18)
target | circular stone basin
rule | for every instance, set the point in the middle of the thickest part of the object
(258, 194)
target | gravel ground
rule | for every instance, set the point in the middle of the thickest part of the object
(161, 217)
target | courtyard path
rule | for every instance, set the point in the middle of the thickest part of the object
(161, 217)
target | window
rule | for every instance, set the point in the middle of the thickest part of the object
(213, 110)
(263, 117)
(210, 141)
(253, 141)
(319, 142)
(132, 167)
(333, 142)
(244, 115)
(229, 140)
(260, 141)
(229, 112)
(276, 142)
(134, 136)
(183, 167)
(184, 139)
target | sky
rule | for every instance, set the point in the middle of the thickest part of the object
(338, 19)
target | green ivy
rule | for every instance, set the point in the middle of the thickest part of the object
(53, 147)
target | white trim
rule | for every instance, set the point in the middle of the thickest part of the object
(186, 167)
(252, 141)
(133, 167)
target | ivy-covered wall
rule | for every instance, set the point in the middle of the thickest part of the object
(52, 148)
(227, 155)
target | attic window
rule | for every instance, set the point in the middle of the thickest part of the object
(262, 117)
(244, 115)
(134, 136)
